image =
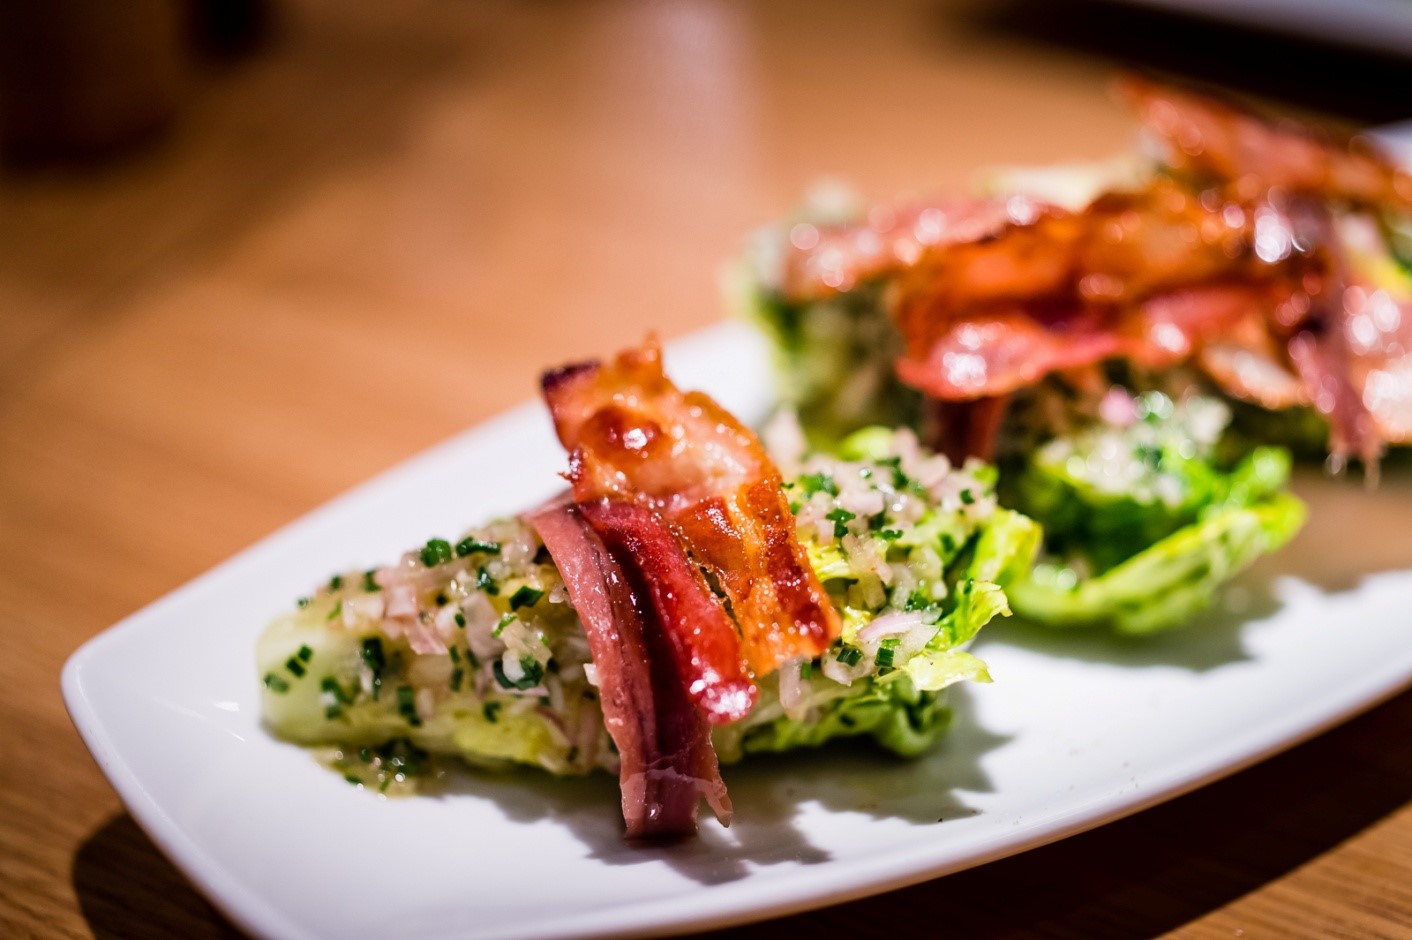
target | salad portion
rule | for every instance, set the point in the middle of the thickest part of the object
(1120, 339)
(693, 598)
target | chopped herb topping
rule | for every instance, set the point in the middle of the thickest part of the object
(850, 655)
(455, 654)
(302, 602)
(460, 619)
(818, 482)
(486, 583)
(526, 596)
(407, 705)
(918, 600)
(335, 583)
(967, 496)
(369, 584)
(372, 654)
(457, 675)
(491, 711)
(275, 684)
(295, 667)
(436, 552)
(305, 653)
(806, 669)
(533, 672)
(840, 518)
(337, 609)
(505, 621)
(471, 546)
(887, 652)
(890, 535)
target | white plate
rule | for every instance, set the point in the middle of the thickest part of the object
(1077, 730)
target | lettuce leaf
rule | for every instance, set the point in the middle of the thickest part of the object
(1143, 525)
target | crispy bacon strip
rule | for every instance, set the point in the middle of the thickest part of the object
(1214, 138)
(635, 437)
(664, 742)
(831, 258)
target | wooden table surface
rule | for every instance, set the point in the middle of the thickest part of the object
(375, 231)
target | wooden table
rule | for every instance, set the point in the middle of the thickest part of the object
(375, 232)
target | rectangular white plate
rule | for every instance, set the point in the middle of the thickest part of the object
(1076, 730)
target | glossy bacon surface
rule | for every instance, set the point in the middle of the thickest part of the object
(635, 437)
(664, 741)
(1217, 139)
(1236, 268)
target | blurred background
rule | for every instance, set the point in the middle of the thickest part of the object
(254, 251)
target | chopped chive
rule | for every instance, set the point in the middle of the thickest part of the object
(806, 669)
(533, 672)
(472, 658)
(840, 517)
(948, 543)
(333, 711)
(460, 619)
(335, 582)
(337, 609)
(486, 583)
(275, 684)
(407, 705)
(818, 482)
(918, 600)
(331, 687)
(794, 507)
(305, 653)
(369, 583)
(436, 552)
(491, 711)
(887, 652)
(505, 621)
(372, 654)
(526, 596)
(899, 479)
(295, 667)
(890, 535)
(967, 496)
(457, 675)
(866, 473)
(470, 546)
(455, 654)
(302, 602)
(850, 655)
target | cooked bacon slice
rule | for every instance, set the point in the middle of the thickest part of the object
(1213, 138)
(635, 437)
(664, 742)
(999, 353)
(826, 258)
(700, 633)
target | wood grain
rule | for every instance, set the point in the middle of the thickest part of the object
(376, 232)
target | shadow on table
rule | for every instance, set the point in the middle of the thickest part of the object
(128, 890)
(1162, 869)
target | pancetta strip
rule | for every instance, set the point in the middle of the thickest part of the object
(664, 742)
